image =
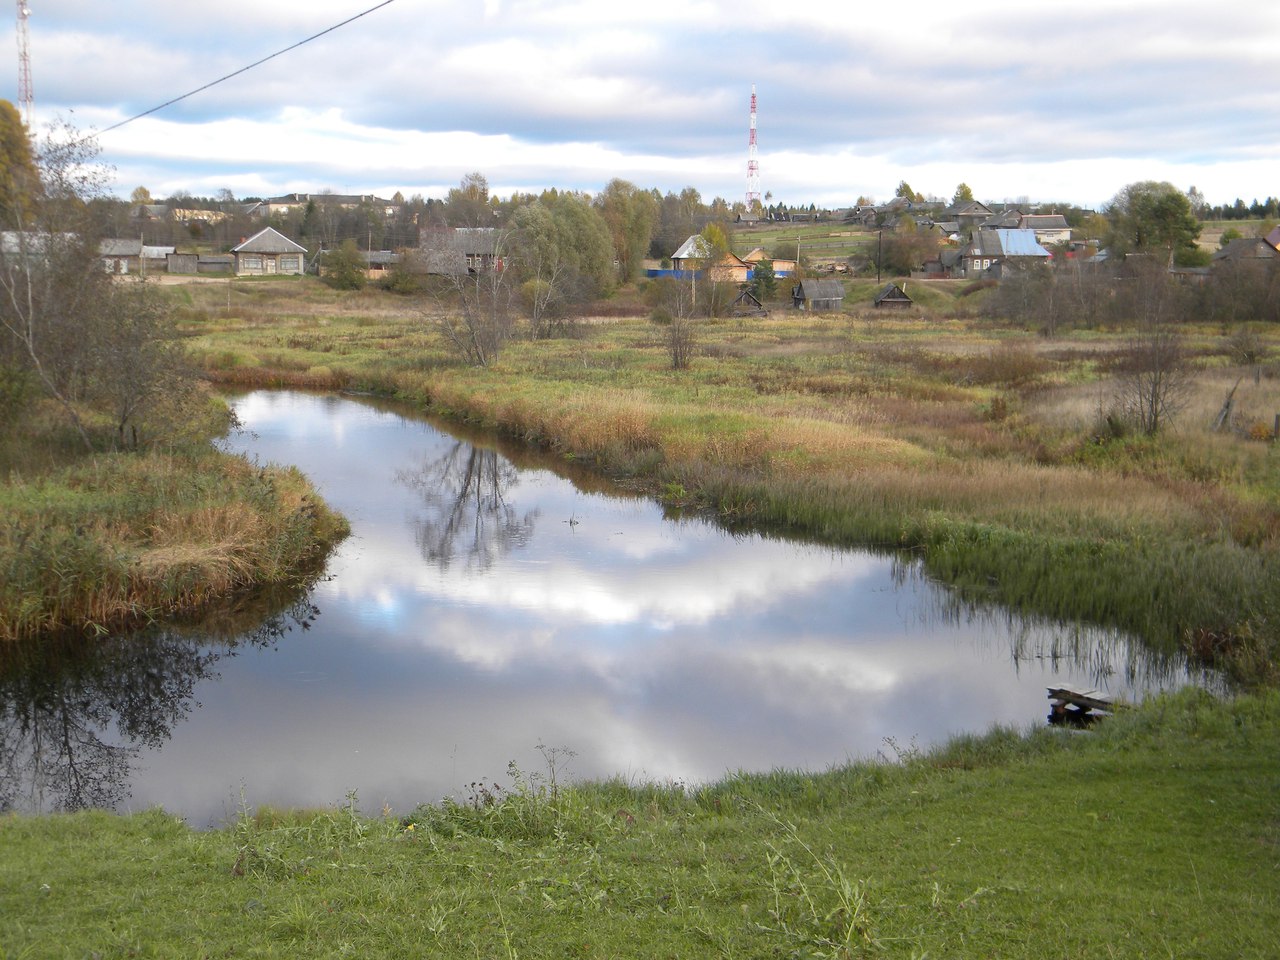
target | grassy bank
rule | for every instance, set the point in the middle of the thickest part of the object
(985, 447)
(1153, 836)
(90, 543)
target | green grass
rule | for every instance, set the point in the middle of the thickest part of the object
(1155, 835)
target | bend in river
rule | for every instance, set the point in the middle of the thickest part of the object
(491, 602)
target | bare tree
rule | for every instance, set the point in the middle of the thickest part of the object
(1155, 381)
(473, 295)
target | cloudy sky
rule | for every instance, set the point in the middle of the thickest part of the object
(1017, 98)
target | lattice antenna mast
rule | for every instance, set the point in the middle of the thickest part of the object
(753, 164)
(25, 96)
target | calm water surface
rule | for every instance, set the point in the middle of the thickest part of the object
(486, 604)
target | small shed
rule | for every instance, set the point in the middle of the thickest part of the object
(183, 263)
(268, 252)
(818, 295)
(893, 296)
(120, 256)
(748, 305)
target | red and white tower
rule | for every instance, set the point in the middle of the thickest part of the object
(24, 62)
(753, 164)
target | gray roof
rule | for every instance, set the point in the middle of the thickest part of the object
(1043, 221)
(120, 248)
(821, 289)
(269, 240)
(1247, 248)
(894, 293)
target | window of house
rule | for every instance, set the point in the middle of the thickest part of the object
(251, 263)
(288, 263)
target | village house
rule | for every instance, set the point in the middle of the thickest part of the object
(990, 252)
(457, 251)
(281, 206)
(268, 252)
(781, 267)
(1051, 229)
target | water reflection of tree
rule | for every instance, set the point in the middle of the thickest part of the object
(467, 514)
(74, 713)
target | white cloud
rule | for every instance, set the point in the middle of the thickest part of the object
(1064, 102)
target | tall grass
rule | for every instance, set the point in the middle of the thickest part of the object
(124, 538)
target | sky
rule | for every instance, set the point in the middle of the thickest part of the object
(1022, 100)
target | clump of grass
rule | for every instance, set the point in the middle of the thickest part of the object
(125, 538)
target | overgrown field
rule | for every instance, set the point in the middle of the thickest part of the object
(991, 449)
(1156, 835)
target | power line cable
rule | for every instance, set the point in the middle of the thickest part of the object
(257, 63)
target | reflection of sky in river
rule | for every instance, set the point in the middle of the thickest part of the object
(654, 649)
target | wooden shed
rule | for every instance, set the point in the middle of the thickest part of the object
(893, 296)
(818, 295)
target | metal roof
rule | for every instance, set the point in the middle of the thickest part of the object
(269, 240)
(696, 247)
(1020, 243)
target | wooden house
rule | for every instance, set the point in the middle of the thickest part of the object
(818, 296)
(267, 253)
(692, 254)
(781, 267)
(1049, 228)
(990, 250)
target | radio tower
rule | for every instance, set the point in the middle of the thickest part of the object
(753, 165)
(24, 62)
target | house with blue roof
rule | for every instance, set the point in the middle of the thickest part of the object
(991, 253)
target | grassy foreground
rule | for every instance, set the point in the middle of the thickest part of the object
(985, 447)
(1156, 835)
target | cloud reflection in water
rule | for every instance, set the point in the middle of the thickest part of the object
(479, 609)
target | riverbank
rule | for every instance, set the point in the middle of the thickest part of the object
(92, 543)
(1152, 835)
(987, 448)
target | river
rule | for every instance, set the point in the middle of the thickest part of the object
(493, 606)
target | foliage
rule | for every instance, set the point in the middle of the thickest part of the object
(468, 204)
(344, 268)
(472, 306)
(963, 194)
(630, 214)
(764, 284)
(19, 178)
(1151, 217)
(95, 346)
(907, 248)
